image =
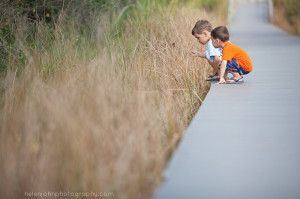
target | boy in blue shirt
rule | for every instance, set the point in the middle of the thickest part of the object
(213, 55)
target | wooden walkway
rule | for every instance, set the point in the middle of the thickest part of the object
(244, 142)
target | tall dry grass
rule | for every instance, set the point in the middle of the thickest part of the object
(102, 123)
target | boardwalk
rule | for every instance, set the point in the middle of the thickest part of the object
(244, 142)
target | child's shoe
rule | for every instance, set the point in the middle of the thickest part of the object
(235, 81)
(215, 77)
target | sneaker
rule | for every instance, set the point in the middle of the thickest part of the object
(213, 78)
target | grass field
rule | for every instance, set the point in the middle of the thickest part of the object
(100, 111)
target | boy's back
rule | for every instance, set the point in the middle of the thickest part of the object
(231, 51)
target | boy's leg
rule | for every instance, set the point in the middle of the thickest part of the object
(211, 64)
(213, 76)
(236, 75)
(215, 67)
(234, 68)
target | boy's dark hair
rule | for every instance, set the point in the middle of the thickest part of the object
(200, 26)
(220, 32)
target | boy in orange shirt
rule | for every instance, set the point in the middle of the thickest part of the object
(235, 60)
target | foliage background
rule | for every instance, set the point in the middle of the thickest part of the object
(287, 15)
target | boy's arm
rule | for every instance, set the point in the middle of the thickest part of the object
(195, 53)
(222, 72)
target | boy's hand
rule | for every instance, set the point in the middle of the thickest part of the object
(194, 53)
(222, 81)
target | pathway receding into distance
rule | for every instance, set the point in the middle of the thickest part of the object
(244, 142)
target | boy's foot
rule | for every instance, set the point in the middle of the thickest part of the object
(235, 81)
(213, 78)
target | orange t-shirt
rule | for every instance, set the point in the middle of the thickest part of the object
(231, 51)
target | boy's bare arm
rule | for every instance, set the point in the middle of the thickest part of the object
(222, 72)
(195, 53)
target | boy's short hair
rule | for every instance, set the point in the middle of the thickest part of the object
(200, 26)
(220, 32)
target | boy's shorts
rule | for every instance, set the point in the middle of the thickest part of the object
(235, 67)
